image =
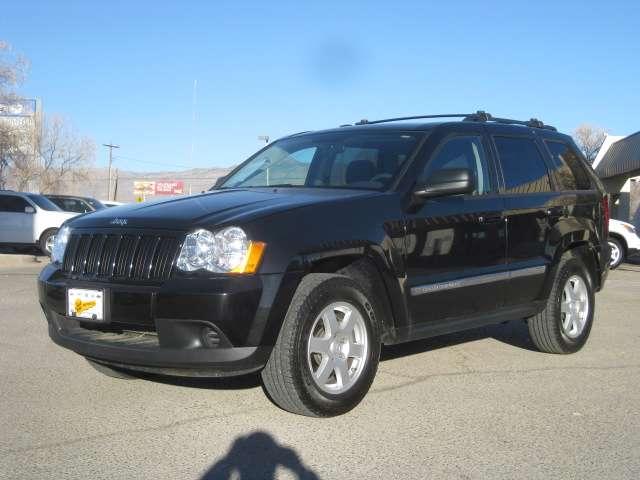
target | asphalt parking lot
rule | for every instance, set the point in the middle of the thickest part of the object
(482, 404)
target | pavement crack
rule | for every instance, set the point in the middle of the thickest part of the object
(103, 436)
(423, 378)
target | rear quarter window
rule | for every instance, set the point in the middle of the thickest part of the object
(568, 168)
(522, 164)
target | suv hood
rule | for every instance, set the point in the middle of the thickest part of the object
(212, 208)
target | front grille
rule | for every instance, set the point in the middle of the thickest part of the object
(120, 256)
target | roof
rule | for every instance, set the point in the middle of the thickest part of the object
(419, 126)
(608, 141)
(622, 158)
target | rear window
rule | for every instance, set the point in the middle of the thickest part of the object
(43, 202)
(568, 168)
(523, 168)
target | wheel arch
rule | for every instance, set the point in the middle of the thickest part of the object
(369, 267)
(621, 239)
(583, 249)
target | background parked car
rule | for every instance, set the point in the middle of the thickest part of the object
(29, 219)
(111, 203)
(623, 240)
(71, 203)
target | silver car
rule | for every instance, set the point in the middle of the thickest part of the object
(29, 219)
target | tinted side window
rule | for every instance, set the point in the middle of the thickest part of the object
(523, 168)
(11, 203)
(568, 168)
(462, 152)
(73, 205)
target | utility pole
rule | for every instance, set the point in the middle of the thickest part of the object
(110, 147)
(115, 188)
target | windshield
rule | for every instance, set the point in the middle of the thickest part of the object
(96, 204)
(337, 160)
(44, 203)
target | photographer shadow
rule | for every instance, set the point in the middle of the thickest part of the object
(257, 456)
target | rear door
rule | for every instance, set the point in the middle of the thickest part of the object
(529, 209)
(456, 245)
(16, 226)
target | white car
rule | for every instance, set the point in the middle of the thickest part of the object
(623, 241)
(29, 219)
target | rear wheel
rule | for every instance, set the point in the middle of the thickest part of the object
(565, 323)
(617, 252)
(326, 355)
(46, 241)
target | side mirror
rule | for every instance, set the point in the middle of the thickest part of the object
(448, 181)
(29, 209)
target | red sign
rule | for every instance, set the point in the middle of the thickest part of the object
(169, 187)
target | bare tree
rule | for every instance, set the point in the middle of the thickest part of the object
(65, 156)
(12, 72)
(49, 155)
(13, 68)
(589, 138)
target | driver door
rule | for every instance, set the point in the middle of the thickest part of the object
(456, 244)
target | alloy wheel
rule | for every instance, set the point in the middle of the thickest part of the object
(574, 306)
(337, 348)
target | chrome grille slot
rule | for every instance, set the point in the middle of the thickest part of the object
(127, 256)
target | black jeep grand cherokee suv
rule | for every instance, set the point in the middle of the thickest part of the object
(324, 245)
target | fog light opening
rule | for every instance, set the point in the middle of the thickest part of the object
(210, 337)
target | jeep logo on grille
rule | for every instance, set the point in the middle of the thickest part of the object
(119, 221)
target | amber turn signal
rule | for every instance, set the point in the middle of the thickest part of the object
(254, 256)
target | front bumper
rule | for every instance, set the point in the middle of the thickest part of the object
(633, 245)
(217, 326)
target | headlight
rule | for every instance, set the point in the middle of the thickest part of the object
(59, 244)
(225, 251)
(629, 228)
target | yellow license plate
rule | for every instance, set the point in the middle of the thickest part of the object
(85, 303)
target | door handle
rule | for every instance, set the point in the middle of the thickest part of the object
(555, 212)
(489, 218)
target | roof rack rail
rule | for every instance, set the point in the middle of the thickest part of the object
(364, 121)
(479, 116)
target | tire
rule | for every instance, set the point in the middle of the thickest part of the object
(617, 252)
(293, 376)
(110, 371)
(46, 240)
(552, 329)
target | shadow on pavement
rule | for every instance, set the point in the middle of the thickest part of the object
(222, 383)
(27, 250)
(514, 333)
(257, 456)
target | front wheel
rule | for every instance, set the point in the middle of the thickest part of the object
(46, 241)
(617, 253)
(327, 353)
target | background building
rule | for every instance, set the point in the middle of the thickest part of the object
(618, 166)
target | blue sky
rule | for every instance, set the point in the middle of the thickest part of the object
(123, 71)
